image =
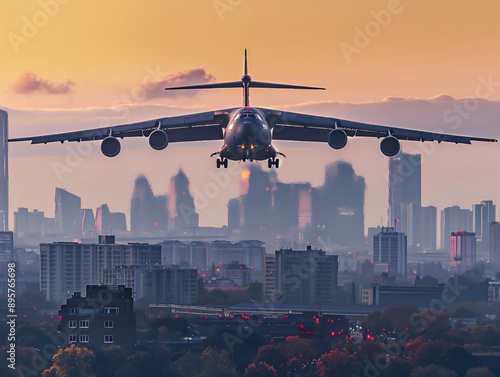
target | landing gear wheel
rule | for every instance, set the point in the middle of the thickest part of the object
(218, 163)
(269, 163)
(225, 163)
(277, 163)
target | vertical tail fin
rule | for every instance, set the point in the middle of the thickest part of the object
(246, 65)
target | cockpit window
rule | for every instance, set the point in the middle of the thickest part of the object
(248, 116)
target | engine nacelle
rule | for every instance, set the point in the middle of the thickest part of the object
(337, 139)
(158, 140)
(110, 146)
(390, 146)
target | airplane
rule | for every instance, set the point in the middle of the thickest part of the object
(247, 132)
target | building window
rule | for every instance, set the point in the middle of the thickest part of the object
(84, 324)
(108, 324)
(72, 311)
(84, 338)
(108, 338)
(72, 338)
(72, 324)
(112, 310)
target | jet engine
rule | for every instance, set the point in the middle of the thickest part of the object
(337, 139)
(110, 146)
(158, 140)
(390, 146)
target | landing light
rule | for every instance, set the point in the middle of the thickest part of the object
(251, 146)
(242, 146)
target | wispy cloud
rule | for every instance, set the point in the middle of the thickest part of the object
(30, 83)
(187, 77)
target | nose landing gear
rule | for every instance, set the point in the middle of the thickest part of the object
(273, 161)
(221, 162)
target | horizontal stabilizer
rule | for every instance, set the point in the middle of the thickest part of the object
(233, 84)
(259, 84)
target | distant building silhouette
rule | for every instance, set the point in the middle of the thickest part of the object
(268, 209)
(428, 228)
(484, 215)
(29, 224)
(68, 209)
(390, 251)
(4, 172)
(182, 209)
(463, 249)
(495, 244)
(88, 223)
(109, 222)
(405, 195)
(148, 213)
(454, 219)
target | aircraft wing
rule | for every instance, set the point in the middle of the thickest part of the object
(302, 127)
(192, 127)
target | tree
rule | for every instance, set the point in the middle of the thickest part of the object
(338, 364)
(479, 372)
(71, 362)
(398, 368)
(295, 346)
(425, 353)
(432, 371)
(217, 363)
(146, 362)
(273, 355)
(260, 370)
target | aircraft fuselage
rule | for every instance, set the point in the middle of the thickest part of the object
(247, 136)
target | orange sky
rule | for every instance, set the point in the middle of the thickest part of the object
(106, 48)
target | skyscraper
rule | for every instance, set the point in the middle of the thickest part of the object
(454, 219)
(107, 222)
(428, 228)
(182, 209)
(463, 249)
(495, 244)
(6, 246)
(484, 215)
(4, 172)
(390, 248)
(68, 213)
(148, 213)
(405, 193)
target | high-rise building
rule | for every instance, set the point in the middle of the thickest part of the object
(182, 209)
(28, 224)
(148, 213)
(405, 194)
(4, 172)
(109, 222)
(306, 276)
(428, 228)
(390, 250)
(463, 249)
(495, 244)
(68, 212)
(67, 267)
(6, 246)
(484, 215)
(269, 279)
(454, 219)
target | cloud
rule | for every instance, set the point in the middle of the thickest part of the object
(30, 83)
(187, 77)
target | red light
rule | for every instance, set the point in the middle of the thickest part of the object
(310, 190)
(241, 267)
(36, 309)
(184, 193)
(156, 223)
(60, 317)
(204, 275)
(333, 333)
(267, 188)
(220, 263)
(371, 262)
(51, 317)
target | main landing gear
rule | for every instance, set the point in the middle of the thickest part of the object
(222, 162)
(273, 161)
